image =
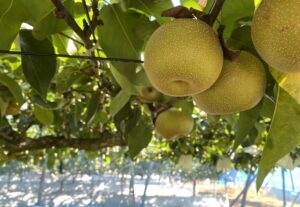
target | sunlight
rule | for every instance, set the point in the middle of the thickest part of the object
(71, 48)
(176, 2)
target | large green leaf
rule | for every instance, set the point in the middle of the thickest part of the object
(93, 106)
(51, 24)
(245, 123)
(191, 4)
(121, 37)
(152, 8)
(119, 102)
(38, 71)
(140, 136)
(13, 87)
(43, 115)
(14, 12)
(235, 10)
(284, 134)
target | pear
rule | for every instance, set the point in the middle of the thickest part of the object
(240, 87)
(183, 57)
(174, 124)
(275, 33)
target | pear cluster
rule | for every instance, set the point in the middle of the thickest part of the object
(185, 58)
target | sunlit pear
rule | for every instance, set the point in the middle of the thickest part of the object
(174, 124)
(276, 33)
(183, 57)
(224, 164)
(286, 162)
(149, 95)
(186, 162)
(240, 87)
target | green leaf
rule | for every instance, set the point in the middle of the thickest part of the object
(43, 115)
(13, 87)
(186, 106)
(119, 102)
(121, 37)
(67, 77)
(93, 106)
(268, 107)
(14, 12)
(241, 39)
(37, 100)
(38, 71)
(191, 4)
(284, 134)
(245, 123)
(51, 24)
(233, 11)
(3, 107)
(152, 8)
(139, 137)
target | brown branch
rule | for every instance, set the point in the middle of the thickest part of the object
(213, 15)
(228, 54)
(23, 144)
(63, 13)
(92, 24)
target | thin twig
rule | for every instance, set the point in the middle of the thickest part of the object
(71, 38)
(63, 13)
(71, 56)
(87, 34)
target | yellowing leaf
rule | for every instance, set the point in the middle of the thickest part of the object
(290, 82)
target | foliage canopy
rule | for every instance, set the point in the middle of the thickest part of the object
(70, 104)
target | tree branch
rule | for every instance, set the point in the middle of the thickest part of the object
(63, 13)
(22, 144)
(213, 15)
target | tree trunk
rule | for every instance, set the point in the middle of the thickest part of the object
(131, 186)
(122, 180)
(9, 180)
(147, 183)
(242, 192)
(42, 181)
(295, 199)
(292, 181)
(247, 186)
(283, 186)
(61, 176)
(194, 187)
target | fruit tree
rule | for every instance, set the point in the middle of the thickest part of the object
(211, 80)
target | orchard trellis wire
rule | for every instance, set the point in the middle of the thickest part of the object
(125, 60)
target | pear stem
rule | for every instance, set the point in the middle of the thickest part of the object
(213, 15)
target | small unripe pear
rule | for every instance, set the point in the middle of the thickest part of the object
(149, 95)
(174, 124)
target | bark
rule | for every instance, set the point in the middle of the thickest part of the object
(42, 181)
(131, 186)
(283, 187)
(147, 183)
(194, 187)
(9, 180)
(17, 144)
